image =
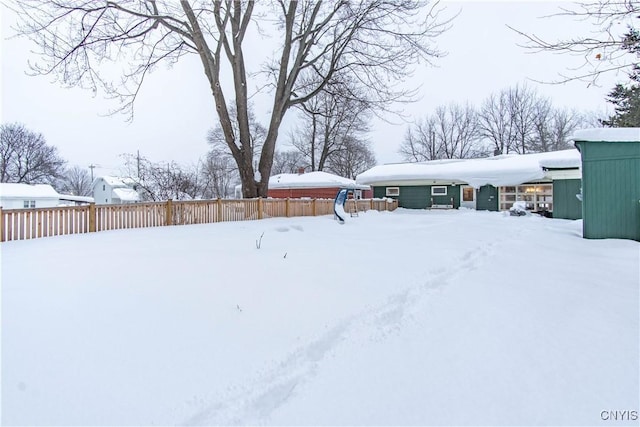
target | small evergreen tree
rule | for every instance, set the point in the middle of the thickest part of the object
(626, 98)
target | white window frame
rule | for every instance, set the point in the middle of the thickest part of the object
(473, 194)
(439, 187)
(392, 191)
(29, 204)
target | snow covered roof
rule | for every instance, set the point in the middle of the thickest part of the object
(72, 198)
(126, 194)
(35, 191)
(312, 180)
(506, 169)
(117, 182)
(607, 135)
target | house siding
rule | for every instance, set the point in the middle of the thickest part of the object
(411, 197)
(610, 189)
(565, 203)
(419, 196)
(453, 192)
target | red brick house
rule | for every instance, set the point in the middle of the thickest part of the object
(315, 185)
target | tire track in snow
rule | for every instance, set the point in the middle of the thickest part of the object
(256, 401)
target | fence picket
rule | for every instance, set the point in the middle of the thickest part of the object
(21, 224)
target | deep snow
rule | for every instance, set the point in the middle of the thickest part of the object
(403, 318)
(502, 170)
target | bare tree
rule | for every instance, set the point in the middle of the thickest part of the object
(524, 103)
(219, 175)
(377, 41)
(451, 132)
(329, 121)
(553, 128)
(508, 119)
(612, 45)
(419, 143)
(25, 157)
(257, 133)
(287, 161)
(163, 180)
(354, 158)
(456, 131)
(495, 122)
(76, 181)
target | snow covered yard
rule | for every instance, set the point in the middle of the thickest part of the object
(403, 318)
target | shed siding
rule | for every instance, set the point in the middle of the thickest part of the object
(611, 190)
(565, 203)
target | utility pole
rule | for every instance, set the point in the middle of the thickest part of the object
(92, 167)
(138, 164)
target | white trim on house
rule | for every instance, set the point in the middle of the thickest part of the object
(392, 191)
(434, 189)
(469, 204)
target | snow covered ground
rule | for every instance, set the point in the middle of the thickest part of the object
(402, 318)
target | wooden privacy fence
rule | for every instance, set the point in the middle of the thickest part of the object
(21, 224)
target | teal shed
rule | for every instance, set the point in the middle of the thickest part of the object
(610, 182)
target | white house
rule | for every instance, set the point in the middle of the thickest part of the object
(27, 196)
(111, 190)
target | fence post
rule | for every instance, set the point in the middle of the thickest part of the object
(92, 217)
(169, 217)
(314, 209)
(371, 201)
(219, 204)
(1, 225)
(287, 208)
(260, 215)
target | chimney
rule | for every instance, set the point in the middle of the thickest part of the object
(300, 171)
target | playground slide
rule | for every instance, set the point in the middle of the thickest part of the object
(338, 205)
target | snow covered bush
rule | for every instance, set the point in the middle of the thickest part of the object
(519, 208)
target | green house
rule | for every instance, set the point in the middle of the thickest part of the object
(610, 182)
(548, 183)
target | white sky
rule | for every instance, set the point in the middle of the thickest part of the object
(175, 108)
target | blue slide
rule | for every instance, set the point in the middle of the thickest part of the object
(338, 205)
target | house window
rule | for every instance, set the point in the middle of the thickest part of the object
(393, 191)
(537, 197)
(29, 204)
(467, 194)
(440, 190)
(104, 187)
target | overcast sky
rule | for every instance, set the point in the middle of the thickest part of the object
(175, 108)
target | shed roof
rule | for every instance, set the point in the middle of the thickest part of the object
(507, 169)
(607, 135)
(117, 182)
(316, 179)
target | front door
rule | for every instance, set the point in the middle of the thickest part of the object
(487, 198)
(467, 197)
